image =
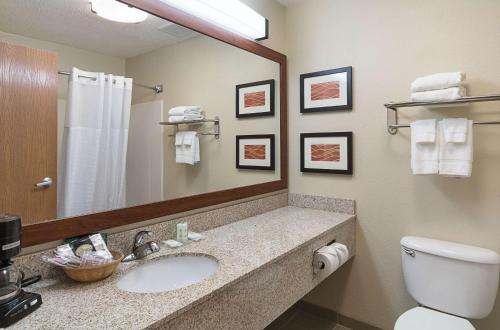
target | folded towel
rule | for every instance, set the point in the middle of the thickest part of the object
(189, 151)
(437, 81)
(447, 94)
(424, 130)
(185, 110)
(179, 138)
(175, 119)
(189, 138)
(455, 159)
(455, 129)
(424, 156)
(189, 117)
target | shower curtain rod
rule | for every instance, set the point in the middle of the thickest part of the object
(156, 88)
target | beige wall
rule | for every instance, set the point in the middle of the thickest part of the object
(70, 57)
(203, 71)
(389, 43)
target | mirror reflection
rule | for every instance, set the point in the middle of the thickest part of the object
(114, 114)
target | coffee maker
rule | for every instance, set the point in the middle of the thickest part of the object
(15, 303)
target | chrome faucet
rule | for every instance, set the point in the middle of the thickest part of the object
(142, 248)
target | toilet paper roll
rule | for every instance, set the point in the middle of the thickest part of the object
(337, 249)
(342, 250)
(325, 263)
(328, 249)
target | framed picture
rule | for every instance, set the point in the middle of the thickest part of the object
(255, 99)
(326, 152)
(255, 152)
(328, 90)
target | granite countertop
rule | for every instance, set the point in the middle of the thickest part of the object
(241, 248)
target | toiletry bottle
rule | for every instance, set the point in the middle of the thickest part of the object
(179, 232)
(185, 232)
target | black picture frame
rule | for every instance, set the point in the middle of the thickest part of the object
(348, 106)
(347, 135)
(256, 136)
(270, 82)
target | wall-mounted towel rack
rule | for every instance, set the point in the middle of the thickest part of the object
(393, 124)
(215, 132)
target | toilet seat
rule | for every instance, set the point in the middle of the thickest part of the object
(420, 318)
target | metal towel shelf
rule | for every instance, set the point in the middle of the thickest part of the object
(393, 126)
(216, 128)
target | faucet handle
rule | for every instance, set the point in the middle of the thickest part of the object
(154, 247)
(141, 236)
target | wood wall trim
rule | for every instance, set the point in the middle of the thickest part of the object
(62, 228)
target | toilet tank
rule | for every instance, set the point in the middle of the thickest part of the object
(450, 277)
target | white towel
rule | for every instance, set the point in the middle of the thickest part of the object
(448, 94)
(437, 81)
(424, 155)
(455, 159)
(185, 110)
(188, 151)
(190, 117)
(425, 130)
(179, 138)
(455, 129)
(189, 138)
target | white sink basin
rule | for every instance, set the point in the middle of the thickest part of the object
(169, 273)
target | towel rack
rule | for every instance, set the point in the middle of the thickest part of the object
(215, 132)
(393, 125)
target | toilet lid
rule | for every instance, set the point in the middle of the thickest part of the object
(420, 318)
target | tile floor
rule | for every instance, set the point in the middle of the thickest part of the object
(297, 319)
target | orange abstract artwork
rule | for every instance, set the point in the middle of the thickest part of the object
(325, 90)
(325, 152)
(255, 99)
(255, 151)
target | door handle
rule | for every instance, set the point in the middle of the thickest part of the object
(45, 183)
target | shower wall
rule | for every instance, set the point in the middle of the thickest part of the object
(145, 154)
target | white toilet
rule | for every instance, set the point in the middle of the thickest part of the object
(450, 281)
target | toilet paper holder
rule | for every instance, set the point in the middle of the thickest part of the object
(322, 265)
(323, 262)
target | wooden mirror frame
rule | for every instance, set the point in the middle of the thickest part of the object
(57, 229)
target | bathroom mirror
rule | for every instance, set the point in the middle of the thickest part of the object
(91, 144)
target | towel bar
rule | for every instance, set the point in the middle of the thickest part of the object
(475, 123)
(393, 125)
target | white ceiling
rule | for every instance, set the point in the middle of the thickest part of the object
(70, 22)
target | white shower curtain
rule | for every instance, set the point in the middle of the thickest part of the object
(94, 150)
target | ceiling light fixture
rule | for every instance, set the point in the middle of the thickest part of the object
(232, 15)
(116, 11)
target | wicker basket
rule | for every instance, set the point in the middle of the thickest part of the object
(94, 273)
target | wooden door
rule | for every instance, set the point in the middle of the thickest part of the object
(28, 132)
